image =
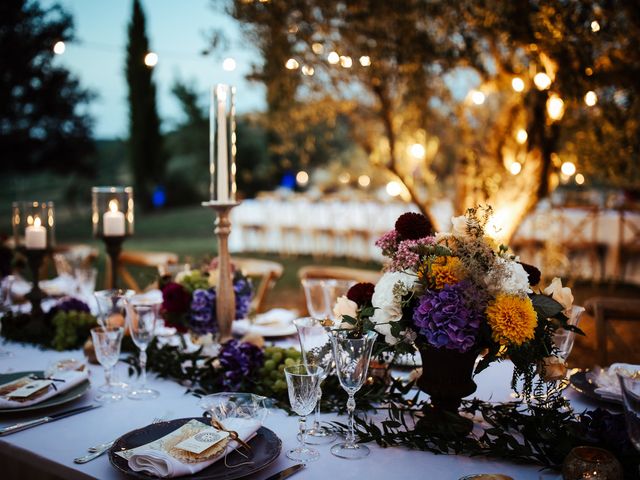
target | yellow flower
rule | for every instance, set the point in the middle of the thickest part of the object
(512, 319)
(446, 271)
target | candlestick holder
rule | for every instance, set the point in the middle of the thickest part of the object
(113, 246)
(225, 296)
(35, 257)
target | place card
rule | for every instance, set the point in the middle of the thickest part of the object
(29, 389)
(201, 441)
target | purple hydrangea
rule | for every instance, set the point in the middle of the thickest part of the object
(71, 304)
(239, 362)
(451, 318)
(243, 290)
(203, 311)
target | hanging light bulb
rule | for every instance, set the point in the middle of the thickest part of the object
(59, 47)
(151, 59)
(365, 61)
(517, 84)
(591, 98)
(568, 168)
(555, 107)
(521, 136)
(292, 64)
(477, 97)
(542, 81)
(346, 62)
(580, 179)
(595, 26)
(515, 168)
(308, 70)
(333, 58)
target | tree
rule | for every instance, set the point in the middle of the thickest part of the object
(43, 120)
(442, 94)
(146, 154)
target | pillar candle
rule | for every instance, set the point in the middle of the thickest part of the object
(113, 222)
(35, 236)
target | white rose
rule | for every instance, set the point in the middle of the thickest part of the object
(343, 307)
(560, 294)
(507, 276)
(388, 302)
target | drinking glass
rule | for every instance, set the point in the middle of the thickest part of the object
(317, 351)
(564, 339)
(5, 307)
(141, 320)
(316, 299)
(334, 289)
(302, 383)
(352, 356)
(107, 342)
(112, 312)
(630, 387)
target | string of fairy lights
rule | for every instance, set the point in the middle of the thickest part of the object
(555, 106)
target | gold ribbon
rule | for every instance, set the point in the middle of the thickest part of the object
(233, 435)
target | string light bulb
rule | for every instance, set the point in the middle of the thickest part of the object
(59, 47)
(292, 64)
(308, 70)
(515, 168)
(517, 84)
(365, 61)
(568, 168)
(590, 98)
(394, 188)
(333, 58)
(364, 181)
(317, 48)
(595, 26)
(346, 62)
(477, 97)
(542, 81)
(580, 179)
(417, 150)
(555, 107)
(151, 59)
(521, 136)
(229, 64)
(302, 178)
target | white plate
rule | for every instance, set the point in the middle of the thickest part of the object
(279, 329)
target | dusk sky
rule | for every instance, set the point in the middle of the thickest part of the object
(177, 33)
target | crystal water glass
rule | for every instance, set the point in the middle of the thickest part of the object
(352, 356)
(315, 297)
(141, 321)
(302, 383)
(112, 311)
(317, 351)
(5, 307)
(334, 289)
(107, 342)
(630, 387)
(564, 339)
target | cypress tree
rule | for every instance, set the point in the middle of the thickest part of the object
(146, 153)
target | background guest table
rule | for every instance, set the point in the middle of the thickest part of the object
(47, 451)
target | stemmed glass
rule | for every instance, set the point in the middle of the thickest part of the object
(112, 312)
(107, 342)
(564, 339)
(352, 356)
(630, 387)
(302, 383)
(315, 344)
(315, 296)
(5, 307)
(141, 320)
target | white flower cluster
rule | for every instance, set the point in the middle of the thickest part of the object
(387, 298)
(508, 276)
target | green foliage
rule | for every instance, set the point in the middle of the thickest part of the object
(71, 329)
(146, 153)
(41, 103)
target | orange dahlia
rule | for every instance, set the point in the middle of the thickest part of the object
(512, 319)
(446, 271)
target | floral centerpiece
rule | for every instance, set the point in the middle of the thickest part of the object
(189, 301)
(457, 296)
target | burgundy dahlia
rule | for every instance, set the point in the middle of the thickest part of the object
(175, 298)
(361, 293)
(533, 272)
(412, 226)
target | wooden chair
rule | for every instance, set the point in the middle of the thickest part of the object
(266, 271)
(154, 260)
(339, 273)
(605, 309)
(628, 248)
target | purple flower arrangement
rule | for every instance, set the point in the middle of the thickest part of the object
(239, 361)
(451, 318)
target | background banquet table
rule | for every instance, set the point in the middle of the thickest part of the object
(47, 451)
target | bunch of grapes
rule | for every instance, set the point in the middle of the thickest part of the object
(71, 329)
(195, 280)
(272, 372)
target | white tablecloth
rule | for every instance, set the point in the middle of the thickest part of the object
(51, 448)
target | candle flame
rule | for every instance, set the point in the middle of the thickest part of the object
(37, 222)
(113, 205)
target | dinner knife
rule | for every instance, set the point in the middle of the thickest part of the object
(18, 427)
(287, 472)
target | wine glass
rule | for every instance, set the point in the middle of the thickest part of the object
(112, 312)
(317, 351)
(141, 320)
(5, 307)
(302, 383)
(352, 356)
(315, 296)
(630, 386)
(564, 339)
(334, 289)
(107, 342)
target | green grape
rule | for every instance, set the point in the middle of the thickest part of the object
(281, 367)
(277, 357)
(269, 365)
(280, 385)
(289, 362)
(275, 375)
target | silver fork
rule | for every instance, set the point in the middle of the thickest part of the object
(98, 450)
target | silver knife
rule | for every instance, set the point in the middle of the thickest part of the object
(18, 427)
(287, 472)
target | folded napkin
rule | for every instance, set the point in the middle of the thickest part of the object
(606, 379)
(71, 379)
(153, 458)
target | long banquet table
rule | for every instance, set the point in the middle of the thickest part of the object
(47, 451)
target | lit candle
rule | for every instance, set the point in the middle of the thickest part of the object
(35, 236)
(222, 160)
(113, 221)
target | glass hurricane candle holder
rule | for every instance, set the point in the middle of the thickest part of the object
(112, 219)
